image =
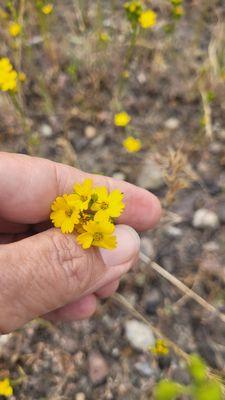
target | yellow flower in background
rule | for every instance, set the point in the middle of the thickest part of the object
(47, 9)
(122, 119)
(104, 37)
(160, 348)
(8, 76)
(132, 6)
(6, 388)
(98, 233)
(64, 215)
(148, 19)
(22, 76)
(126, 74)
(15, 29)
(178, 11)
(108, 204)
(132, 145)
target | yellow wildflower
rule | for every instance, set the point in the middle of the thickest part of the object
(64, 215)
(82, 195)
(122, 119)
(132, 145)
(98, 233)
(6, 388)
(178, 11)
(89, 213)
(160, 348)
(147, 19)
(47, 9)
(104, 37)
(125, 74)
(108, 204)
(22, 76)
(15, 29)
(8, 76)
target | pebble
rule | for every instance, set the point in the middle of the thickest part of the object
(46, 130)
(144, 368)
(139, 335)
(221, 135)
(173, 231)
(172, 123)
(152, 302)
(80, 396)
(98, 368)
(90, 132)
(119, 175)
(151, 175)
(147, 247)
(141, 78)
(204, 218)
(3, 340)
(216, 148)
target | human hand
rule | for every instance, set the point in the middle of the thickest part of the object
(43, 272)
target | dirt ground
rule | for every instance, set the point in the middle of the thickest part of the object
(175, 94)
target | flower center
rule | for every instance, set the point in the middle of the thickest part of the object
(104, 205)
(83, 198)
(98, 236)
(69, 212)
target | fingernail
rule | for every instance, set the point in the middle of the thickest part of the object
(128, 245)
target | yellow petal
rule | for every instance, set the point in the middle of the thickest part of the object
(85, 239)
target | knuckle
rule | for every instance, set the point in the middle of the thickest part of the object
(72, 265)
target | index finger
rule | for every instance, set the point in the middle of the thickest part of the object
(29, 185)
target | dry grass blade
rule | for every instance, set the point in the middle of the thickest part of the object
(121, 300)
(182, 287)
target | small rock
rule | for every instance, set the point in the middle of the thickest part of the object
(151, 175)
(98, 140)
(152, 302)
(98, 368)
(115, 352)
(221, 134)
(147, 247)
(173, 231)
(139, 335)
(80, 396)
(119, 175)
(46, 130)
(144, 368)
(90, 132)
(172, 123)
(211, 247)
(141, 78)
(216, 148)
(204, 218)
(4, 339)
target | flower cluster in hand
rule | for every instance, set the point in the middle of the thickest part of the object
(8, 76)
(90, 212)
(138, 16)
(6, 389)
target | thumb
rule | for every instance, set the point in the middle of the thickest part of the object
(49, 270)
